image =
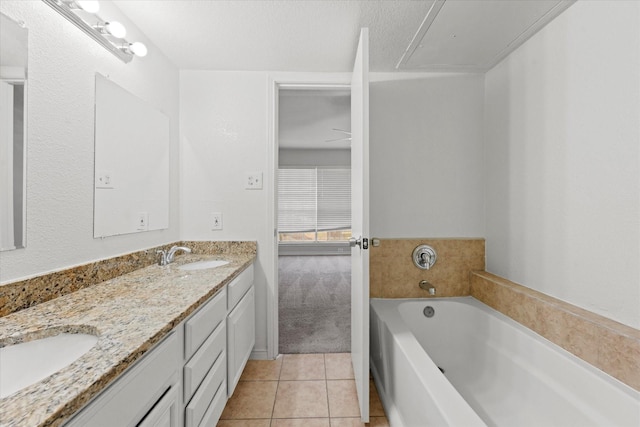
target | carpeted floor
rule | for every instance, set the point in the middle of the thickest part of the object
(314, 304)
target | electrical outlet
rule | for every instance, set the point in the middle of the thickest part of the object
(142, 223)
(253, 181)
(216, 221)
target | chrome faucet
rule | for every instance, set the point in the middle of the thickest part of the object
(166, 257)
(424, 256)
(428, 287)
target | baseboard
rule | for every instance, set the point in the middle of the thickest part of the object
(259, 355)
(330, 248)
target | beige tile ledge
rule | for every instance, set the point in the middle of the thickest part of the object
(131, 313)
(608, 345)
(26, 293)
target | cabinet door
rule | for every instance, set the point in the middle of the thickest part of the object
(130, 397)
(165, 413)
(241, 336)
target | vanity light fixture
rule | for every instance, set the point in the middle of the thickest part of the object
(109, 34)
(113, 28)
(90, 6)
(136, 48)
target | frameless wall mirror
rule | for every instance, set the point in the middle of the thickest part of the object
(13, 135)
(131, 192)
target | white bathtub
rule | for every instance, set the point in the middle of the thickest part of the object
(497, 372)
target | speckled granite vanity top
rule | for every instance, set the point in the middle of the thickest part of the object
(129, 313)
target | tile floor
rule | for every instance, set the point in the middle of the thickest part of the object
(310, 390)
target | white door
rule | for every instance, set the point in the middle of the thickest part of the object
(360, 222)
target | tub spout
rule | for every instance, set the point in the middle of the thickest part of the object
(428, 287)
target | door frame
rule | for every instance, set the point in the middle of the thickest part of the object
(277, 82)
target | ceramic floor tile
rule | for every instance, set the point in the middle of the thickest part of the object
(301, 422)
(302, 367)
(378, 422)
(375, 404)
(261, 370)
(355, 422)
(343, 398)
(244, 423)
(301, 399)
(338, 366)
(251, 399)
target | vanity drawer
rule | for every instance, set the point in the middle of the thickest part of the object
(131, 396)
(196, 369)
(213, 382)
(239, 286)
(203, 322)
(214, 412)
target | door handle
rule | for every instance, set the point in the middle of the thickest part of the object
(363, 243)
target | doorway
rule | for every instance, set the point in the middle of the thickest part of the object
(313, 194)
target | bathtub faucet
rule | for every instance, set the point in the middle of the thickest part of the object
(425, 260)
(428, 287)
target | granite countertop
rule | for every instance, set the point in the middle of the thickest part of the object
(129, 313)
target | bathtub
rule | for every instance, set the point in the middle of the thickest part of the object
(496, 371)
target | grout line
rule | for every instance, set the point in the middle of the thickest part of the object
(326, 385)
(275, 398)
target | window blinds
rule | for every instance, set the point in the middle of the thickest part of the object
(315, 199)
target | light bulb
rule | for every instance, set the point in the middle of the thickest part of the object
(91, 6)
(138, 49)
(116, 29)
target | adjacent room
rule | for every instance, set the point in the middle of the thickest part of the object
(314, 220)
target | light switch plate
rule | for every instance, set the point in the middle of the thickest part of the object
(253, 181)
(104, 179)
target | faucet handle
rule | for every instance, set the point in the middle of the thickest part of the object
(163, 257)
(424, 257)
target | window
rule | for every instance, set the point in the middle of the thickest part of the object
(314, 204)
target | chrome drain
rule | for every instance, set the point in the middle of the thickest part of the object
(429, 311)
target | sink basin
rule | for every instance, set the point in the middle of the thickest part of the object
(28, 362)
(203, 265)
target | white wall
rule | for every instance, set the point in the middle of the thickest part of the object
(224, 133)
(562, 154)
(426, 171)
(307, 118)
(416, 137)
(62, 66)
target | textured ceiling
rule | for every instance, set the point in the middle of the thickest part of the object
(320, 36)
(291, 35)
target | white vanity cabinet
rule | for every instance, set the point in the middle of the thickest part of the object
(184, 380)
(147, 394)
(205, 367)
(240, 326)
(218, 339)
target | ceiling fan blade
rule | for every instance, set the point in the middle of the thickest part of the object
(346, 132)
(337, 140)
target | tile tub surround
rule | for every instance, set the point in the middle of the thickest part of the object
(392, 273)
(606, 344)
(130, 313)
(29, 292)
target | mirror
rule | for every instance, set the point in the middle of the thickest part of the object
(13, 135)
(131, 192)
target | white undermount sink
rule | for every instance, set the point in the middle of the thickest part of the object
(27, 363)
(203, 265)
